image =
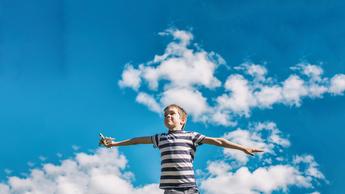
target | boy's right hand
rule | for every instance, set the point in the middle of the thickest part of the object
(105, 141)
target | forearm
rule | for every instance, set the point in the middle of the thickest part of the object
(123, 143)
(228, 144)
(133, 141)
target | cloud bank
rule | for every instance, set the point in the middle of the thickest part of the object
(276, 171)
(102, 172)
(187, 75)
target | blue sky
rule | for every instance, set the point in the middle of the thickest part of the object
(62, 62)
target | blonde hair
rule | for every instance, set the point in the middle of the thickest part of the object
(180, 110)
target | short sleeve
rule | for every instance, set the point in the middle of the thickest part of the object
(155, 140)
(197, 138)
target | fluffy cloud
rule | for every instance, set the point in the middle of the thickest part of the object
(337, 84)
(261, 180)
(241, 98)
(186, 74)
(312, 167)
(102, 172)
(276, 172)
(130, 78)
(149, 101)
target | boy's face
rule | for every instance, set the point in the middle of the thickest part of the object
(172, 119)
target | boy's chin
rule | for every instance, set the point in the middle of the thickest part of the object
(172, 129)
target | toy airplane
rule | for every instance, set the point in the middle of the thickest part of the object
(101, 143)
(101, 140)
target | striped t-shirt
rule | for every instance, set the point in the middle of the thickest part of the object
(177, 150)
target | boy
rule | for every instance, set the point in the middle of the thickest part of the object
(177, 149)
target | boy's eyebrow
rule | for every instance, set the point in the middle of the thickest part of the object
(169, 111)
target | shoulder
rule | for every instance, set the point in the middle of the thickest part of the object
(193, 133)
(189, 133)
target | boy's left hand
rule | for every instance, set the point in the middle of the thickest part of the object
(251, 151)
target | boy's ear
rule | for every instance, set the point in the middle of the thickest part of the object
(183, 120)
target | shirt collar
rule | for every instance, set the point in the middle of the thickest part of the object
(176, 131)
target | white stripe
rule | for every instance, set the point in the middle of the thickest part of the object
(177, 173)
(153, 138)
(174, 164)
(177, 180)
(176, 141)
(177, 134)
(176, 156)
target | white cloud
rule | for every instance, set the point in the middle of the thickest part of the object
(149, 101)
(337, 84)
(240, 98)
(257, 71)
(102, 172)
(221, 118)
(312, 71)
(190, 74)
(218, 168)
(268, 95)
(312, 167)
(294, 90)
(276, 171)
(180, 35)
(261, 180)
(130, 78)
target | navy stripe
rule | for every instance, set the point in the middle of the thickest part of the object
(183, 152)
(177, 177)
(196, 137)
(177, 185)
(177, 169)
(156, 139)
(175, 152)
(176, 161)
(188, 145)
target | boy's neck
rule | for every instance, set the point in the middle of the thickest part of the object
(175, 129)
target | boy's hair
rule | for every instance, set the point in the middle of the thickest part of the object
(180, 110)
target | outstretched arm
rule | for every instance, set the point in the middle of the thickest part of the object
(228, 144)
(108, 142)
